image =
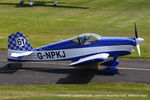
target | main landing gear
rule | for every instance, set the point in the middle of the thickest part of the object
(110, 66)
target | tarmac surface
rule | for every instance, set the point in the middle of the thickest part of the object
(54, 72)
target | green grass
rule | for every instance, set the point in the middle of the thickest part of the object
(55, 92)
(44, 24)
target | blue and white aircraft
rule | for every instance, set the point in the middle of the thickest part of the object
(83, 50)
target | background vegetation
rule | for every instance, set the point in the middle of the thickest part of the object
(44, 24)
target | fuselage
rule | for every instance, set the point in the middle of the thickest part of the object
(73, 50)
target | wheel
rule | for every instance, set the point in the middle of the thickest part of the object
(21, 2)
(55, 3)
(31, 3)
(110, 70)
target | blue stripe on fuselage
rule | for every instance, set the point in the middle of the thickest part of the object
(110, 41)
(104, 41)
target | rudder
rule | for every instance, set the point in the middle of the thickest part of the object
(18, 41)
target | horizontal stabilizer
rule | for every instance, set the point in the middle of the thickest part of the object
(97, 57)
(20, 55)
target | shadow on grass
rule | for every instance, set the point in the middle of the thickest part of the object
(39, 3)
(10, 68)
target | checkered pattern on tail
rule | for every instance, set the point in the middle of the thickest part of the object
(18, 41)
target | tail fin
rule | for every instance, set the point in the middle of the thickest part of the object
(18, 41)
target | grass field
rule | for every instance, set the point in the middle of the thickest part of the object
(94, 91)
(44, 24)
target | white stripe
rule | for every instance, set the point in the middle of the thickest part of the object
(21, 54)
(71, 53)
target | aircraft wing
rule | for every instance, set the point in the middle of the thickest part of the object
(94, 58)
(20, 55)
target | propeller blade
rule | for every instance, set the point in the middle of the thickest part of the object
(138, 41)
(138, 48)
(136, 34)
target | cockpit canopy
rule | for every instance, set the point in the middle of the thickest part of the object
(86, 38)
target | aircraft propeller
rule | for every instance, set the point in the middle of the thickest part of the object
(138, 41)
